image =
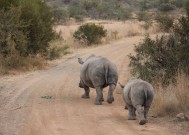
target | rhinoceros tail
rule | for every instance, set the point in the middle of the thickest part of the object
(106, 72)
(146, 94)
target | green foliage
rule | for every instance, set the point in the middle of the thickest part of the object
(79, 18)
(161, 59)
(114, 9)
(12, 38)
(25, 31)
(90, 33)
(60, 14)
(40, 29)
(155, 59)
(165, 22)
(6, 4)
(75, 9)
(142, 16)
(166, 7)
(39, 24)
(101, 9)
(181, 31)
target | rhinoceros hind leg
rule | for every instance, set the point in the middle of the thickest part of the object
(146, 109)
(102, 99)
(99, 97)
(132, 114)
(140, 111)
(110, 93)
(142, 122)
(86, 94)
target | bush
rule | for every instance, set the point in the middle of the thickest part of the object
(90, 33)
(160, 59)
(142, 16)
(165, 22)
(155, 59)
(166, 7)
(12, 38)
(79, 18)
(60, 15)
(75, 9)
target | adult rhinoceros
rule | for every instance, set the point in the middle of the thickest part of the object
(98, 72)
(138, 95)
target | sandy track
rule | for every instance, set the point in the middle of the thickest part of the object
(25, 111)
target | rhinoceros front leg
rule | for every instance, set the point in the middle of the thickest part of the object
(140, 110)
(110, 98)
(99, 97)
(86, 94)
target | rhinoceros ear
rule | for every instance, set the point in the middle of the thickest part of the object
(121, 85)
(80, 61)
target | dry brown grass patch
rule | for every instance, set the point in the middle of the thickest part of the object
(173, 99)
(17, 64)
(115, 30)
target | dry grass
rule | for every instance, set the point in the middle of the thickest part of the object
(172, 99)
(17, 64)
(115, 30)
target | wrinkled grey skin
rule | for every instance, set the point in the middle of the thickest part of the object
(98, 72)
(138, 95)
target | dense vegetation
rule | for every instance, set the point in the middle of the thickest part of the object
(25, 31)
(108, 9)
(161, 59)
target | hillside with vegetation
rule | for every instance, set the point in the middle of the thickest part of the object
(109, 9)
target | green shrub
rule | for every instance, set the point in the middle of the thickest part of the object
(75, 9)
(161, 59)
(90, 33)
(165, 22)
(60, 15)
(12, 38)
(166, 7)
(79, 18)
(155, 59)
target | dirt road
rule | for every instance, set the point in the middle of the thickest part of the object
(49, 102)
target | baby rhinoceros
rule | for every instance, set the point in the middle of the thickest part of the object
(98, 72)
(138, 95)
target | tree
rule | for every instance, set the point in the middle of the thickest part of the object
(25, 31)
(39, 19)
(40, 31)
(12, 38)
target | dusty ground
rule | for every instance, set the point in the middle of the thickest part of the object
(49, 102)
